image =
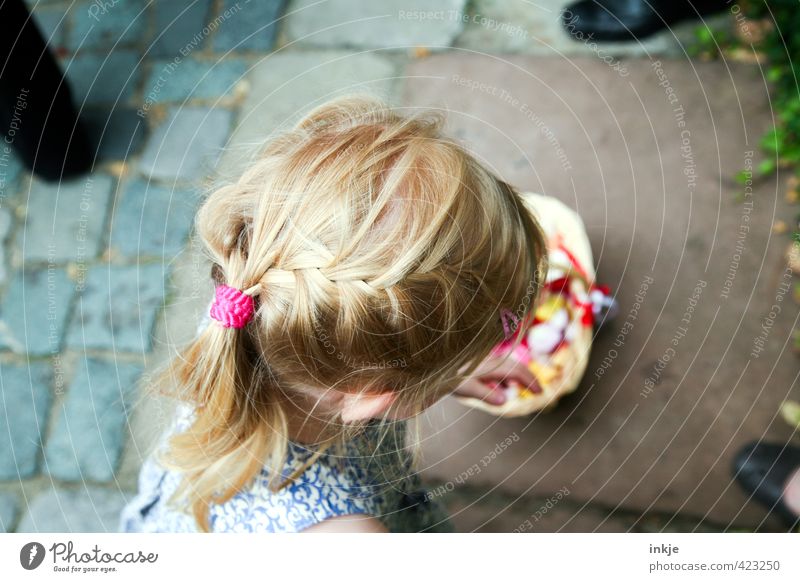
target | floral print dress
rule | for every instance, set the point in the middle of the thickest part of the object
(368, 475)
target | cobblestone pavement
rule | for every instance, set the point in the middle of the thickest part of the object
(101, 278)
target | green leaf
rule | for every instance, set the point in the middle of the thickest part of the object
(771, 141)
(767, 166)
(742, 176)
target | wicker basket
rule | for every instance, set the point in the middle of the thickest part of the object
(568, 305)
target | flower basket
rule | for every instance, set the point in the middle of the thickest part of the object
(556, 338)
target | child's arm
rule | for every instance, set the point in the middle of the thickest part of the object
(348, 524)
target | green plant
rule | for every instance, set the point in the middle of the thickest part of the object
(780, 45)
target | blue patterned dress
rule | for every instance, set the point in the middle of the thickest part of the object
(368, 475)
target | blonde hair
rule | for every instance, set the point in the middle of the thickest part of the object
(383, 254)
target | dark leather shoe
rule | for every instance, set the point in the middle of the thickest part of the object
(762, 470)
(625, 20)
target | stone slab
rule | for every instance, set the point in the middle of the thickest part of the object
(8, 511)
(105, 78)
(654, 183)
(61, 510)
(249, 26)
(6, 223)
(152, 220)
(10, 171)
(88, 435)
(187, 144)
(106, 27)
(190, 291)
(26, 398)
(117, 307)
(191, 78)
(35, 311)
(179, 27)
(116, 134)
(64, 221)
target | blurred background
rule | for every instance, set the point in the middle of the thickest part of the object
(677, 149)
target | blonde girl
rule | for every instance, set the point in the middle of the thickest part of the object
(362, 263)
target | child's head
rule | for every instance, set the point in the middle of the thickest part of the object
(381, 254)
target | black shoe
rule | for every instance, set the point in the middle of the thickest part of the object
(626, 20)
(37, 117)
(762, 470)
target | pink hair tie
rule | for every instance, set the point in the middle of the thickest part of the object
(232, 307)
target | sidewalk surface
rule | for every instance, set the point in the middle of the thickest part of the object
(100, 278)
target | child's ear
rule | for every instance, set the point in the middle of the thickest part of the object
(364, 406)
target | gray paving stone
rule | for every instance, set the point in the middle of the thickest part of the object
(87, 440)
(8, 511)
(248, 26)
(117, 309)
(103, 78)
(6, 222)
(179, 28)
(192, 79)
(26, 398)
(387, 24)
(116, 134)
(99, 25)
(287, 84)
(10, 171)
(152, 220)
(64, 221)
(52, 24)
(35, 311)
(187, 144)
(91, 509)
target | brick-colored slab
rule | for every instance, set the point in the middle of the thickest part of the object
(610, 147)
